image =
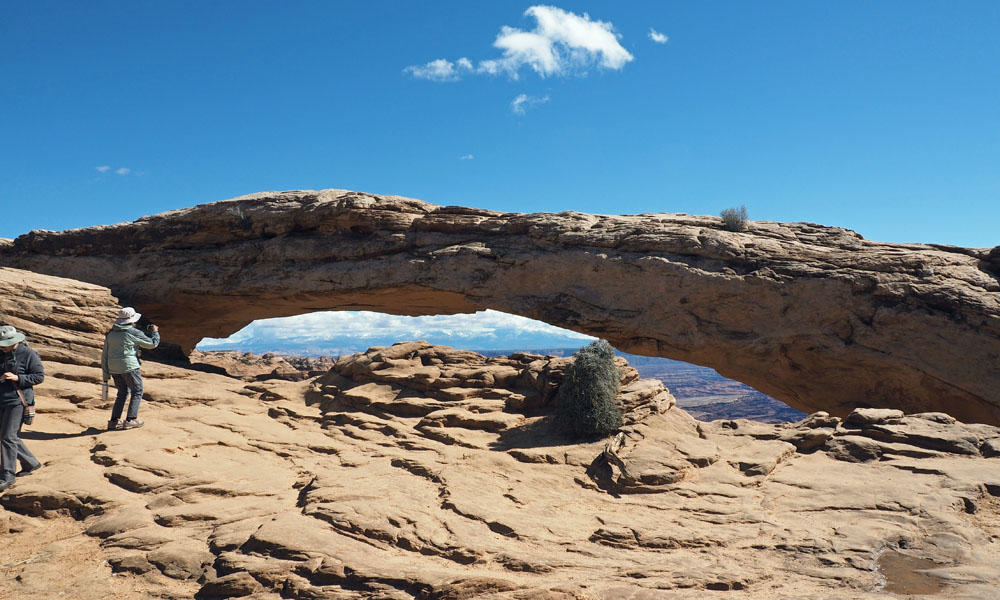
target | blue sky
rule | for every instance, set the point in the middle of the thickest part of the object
(882, 116)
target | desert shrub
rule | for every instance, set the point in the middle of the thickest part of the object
(734, 219)
(586, 402)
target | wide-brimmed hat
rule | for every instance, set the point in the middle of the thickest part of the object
(127, 315)
(10, 336)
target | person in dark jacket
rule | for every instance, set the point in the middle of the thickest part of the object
(120, 361)
(21, 370)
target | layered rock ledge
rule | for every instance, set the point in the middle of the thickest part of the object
(814, 316)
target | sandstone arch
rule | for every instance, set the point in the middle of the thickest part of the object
(815, 316)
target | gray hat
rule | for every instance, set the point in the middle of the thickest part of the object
(10, 336)
(127, 315)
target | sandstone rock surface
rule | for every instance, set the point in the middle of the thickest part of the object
(416, 471)
(814, 316)
(261, 366)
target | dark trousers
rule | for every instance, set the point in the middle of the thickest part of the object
(128, 384)
(12, 449)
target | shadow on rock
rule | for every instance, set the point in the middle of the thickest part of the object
(45, 435)
(540, 433)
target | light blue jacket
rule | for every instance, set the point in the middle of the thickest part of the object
(120, 354)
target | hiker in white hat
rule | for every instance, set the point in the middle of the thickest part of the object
(120, 361)
(21, 370)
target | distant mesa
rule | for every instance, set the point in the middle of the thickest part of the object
(815, 316)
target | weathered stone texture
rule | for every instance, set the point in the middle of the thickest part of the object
(417, 471)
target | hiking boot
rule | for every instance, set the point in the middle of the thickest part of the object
(25, 471)
(132, 424)
(6, 483)
(114, 425)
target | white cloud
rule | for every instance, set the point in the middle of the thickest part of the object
(523, 102)
(467, 157)
(657, 37)
(523, 48)
(119, 171)
(561, 43)
(360, 325)
(373, 324)
(440, 70)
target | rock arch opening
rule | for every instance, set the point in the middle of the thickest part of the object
(325, 334)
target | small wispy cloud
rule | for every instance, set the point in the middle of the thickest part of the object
(467, 157)
(561, 43)
(523, 102)
(441, 70)
(657, 37)
(105, 169)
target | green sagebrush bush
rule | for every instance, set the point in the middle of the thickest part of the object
(734, 219)
(586, 402)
